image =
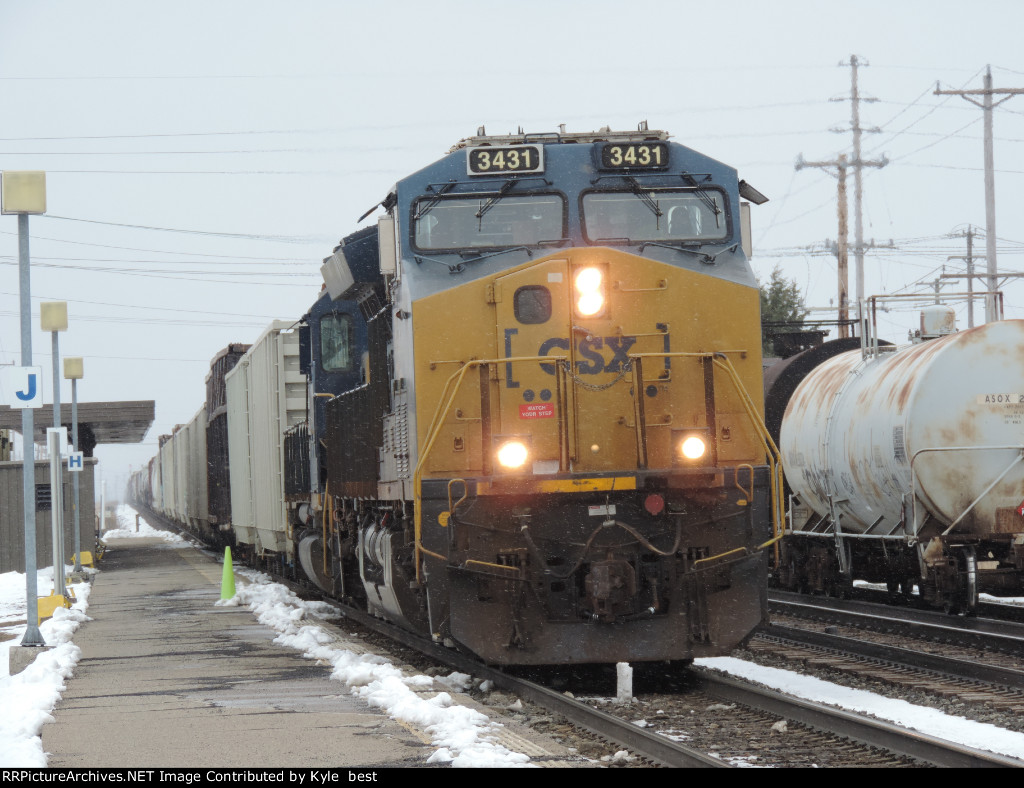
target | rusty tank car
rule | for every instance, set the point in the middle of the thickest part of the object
(905, 468)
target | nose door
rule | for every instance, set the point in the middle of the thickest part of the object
(533, 319)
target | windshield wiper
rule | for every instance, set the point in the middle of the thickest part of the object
(703, 195)
(707, 259)
(505, 189)
(458, 268)
(425, 208)
(638, 190)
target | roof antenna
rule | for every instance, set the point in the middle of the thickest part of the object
(481, 132)
(642, 126)
(561, 128)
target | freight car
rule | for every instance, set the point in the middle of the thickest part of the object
(905, 467)
(187, 481)
(525, 416)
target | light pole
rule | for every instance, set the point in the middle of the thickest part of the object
(24, 193)
(74, 371)
(53, 317)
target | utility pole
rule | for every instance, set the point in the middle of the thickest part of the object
(858, 164)
(987, 104)
(842, 253)
(969, 259)
(938, 284)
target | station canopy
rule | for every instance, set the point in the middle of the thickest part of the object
(98, 422)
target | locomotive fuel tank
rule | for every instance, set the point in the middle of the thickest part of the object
(933, 431)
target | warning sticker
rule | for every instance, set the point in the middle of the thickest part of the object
(541, 410)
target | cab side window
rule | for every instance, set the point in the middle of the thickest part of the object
(336, 343)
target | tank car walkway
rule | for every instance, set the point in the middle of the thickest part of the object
(167, 679)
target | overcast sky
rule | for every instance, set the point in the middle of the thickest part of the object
(203, 157)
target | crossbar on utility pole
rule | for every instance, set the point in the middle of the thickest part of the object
(987, 92)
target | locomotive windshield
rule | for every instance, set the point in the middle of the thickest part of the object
(655, 215)
(489, 221)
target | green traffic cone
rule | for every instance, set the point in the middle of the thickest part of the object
(227, 583)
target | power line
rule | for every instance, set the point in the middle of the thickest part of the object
(147, 307)
(319, 173)
(154, 251)
(176, 276)
(246, 236)
(154, 321)
(275, 263)
(10, 260)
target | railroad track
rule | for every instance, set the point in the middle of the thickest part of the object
(814, 732)
(1006, 637)
(988, 606)
(861, 736)
(967, 680)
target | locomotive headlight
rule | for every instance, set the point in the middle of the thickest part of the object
(694, 446)
(590, 298)
(512, 454)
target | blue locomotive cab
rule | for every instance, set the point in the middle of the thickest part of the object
(332, 346)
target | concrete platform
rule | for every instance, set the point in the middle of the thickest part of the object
(167, 679)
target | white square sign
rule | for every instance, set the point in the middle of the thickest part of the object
(21, 387)
(62, 437)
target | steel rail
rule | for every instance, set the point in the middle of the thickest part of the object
(831, 720)
(894, 655)
(647, 744)
(828, 719)
(1006, 637)
(640, 741)
(839, 722)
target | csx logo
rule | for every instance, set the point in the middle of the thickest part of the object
(591, 349)
(594, 355)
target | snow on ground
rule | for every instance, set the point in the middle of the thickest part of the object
(982, 597)
(979, 735)
(127, 529)
(28, 697)
(462, 736)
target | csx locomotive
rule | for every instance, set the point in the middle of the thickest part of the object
(525, 414)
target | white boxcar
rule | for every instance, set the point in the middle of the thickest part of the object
(155, 485)
(195, 494)
(266, 394)
(168, 480)
(180, 442)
